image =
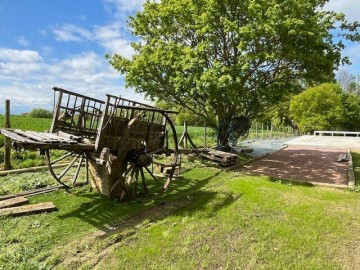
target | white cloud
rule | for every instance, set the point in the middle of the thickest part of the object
(70, 32)
(110, 37)
(351, 8)
(18, 68)
(28, 84)
(126, 5)
(11, 55)
(107, 36)
(119, 46)
(23, 41)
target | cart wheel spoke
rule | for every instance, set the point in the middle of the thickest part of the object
(68, 167)
(136, 179)
(152, 175)
(59, 176)
(78, 170)
(87, 168)
(143, 180)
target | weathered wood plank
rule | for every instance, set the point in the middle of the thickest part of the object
(68, 136)
(10, 134)
(28, 209)
(13, 202)
(29, 193)
(28, 135)
(42, 136)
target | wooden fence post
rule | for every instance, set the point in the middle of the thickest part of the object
(205, 144)
(7, 140)
(186, 131)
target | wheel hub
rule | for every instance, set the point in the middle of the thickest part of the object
(140, 158)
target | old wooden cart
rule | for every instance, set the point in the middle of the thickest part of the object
(114, 140)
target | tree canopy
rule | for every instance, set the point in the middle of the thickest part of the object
(226, 58)
(318, 108)
(326, 107)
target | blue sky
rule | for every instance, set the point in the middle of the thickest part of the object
(62, 43)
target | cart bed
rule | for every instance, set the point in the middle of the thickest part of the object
(45, 140)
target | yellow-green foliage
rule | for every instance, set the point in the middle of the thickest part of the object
(318, 108)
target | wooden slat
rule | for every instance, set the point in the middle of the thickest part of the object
(28, 135)
(28, 209)
(10, 134)
(30, 192)
(43, 136)
(55, 137)
(13, 202)
(67, 136)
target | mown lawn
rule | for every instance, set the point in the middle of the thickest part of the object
(213, 219)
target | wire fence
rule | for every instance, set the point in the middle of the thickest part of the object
(266, 131)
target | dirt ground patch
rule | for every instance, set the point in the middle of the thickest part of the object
(309, 164)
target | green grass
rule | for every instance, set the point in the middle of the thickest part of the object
(356, 164)
(213, 219)
(27, 122)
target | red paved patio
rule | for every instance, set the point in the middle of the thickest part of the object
(317, 165)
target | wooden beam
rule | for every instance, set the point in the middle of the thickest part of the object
(13, 202)
(30, 193)
(28, 209)
(33, 169)
(7, 140)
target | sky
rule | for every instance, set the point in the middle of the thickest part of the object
(46, 43)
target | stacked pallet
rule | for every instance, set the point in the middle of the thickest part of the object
(222, 158)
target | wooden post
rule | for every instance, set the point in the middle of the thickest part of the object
(205, 144)
(7, 140)
(186, 132)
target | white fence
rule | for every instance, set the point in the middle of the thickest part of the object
(336, 133)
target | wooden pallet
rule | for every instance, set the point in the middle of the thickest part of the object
(223, 158)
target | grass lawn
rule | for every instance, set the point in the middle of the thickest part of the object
(213, 219)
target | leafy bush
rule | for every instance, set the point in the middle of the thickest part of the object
(318, 108)
(40, 113)
(326, 107)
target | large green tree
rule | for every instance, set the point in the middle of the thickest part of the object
(226, 58)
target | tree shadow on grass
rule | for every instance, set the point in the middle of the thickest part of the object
(118, 221)
(109, 215)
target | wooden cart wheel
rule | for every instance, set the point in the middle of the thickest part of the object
(77, 161)
(139, 162)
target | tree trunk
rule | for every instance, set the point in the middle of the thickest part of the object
(223, 134)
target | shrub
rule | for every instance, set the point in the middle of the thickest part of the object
(40, 113)
(318, 108)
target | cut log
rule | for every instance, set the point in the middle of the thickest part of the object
(28, 209)
(13, 202)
